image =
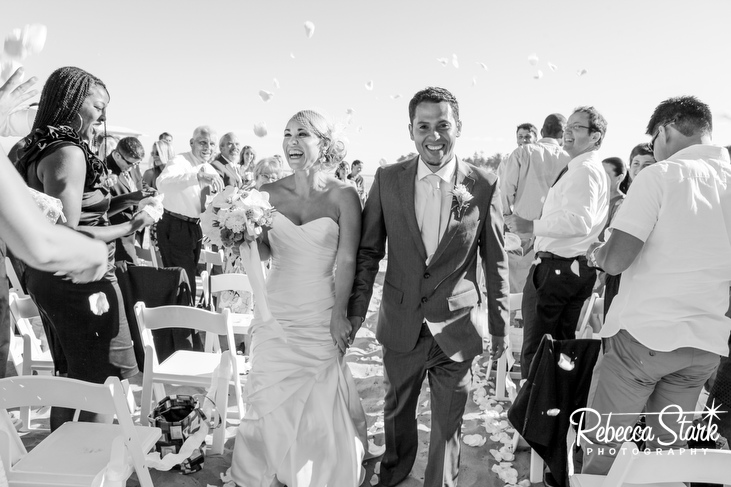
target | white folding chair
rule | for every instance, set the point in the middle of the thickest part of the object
(594, 306)
(505, 362)
(13, 277)
(661, 469)
(213, 285)
(77, 453)
(186, 367)
(210, 258)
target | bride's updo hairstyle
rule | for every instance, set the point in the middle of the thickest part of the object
(333, 146)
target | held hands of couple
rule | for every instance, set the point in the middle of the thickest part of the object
(341, 332)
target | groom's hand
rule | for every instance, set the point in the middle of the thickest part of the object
(497, 347)
(355, 323)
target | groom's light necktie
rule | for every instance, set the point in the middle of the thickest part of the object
(432, 214)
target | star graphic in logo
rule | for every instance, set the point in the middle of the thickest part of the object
(712, 412)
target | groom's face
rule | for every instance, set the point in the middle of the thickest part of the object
(434, 130)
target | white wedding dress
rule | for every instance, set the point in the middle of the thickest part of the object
(304, 422)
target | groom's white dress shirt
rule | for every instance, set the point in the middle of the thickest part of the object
(423, 188)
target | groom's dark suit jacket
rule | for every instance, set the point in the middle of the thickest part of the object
(445, 291)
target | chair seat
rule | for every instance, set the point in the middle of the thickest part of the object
(77, 451)
(241, 322)
(189, 363)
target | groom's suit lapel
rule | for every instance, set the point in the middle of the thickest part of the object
(406, 189)
(454, 222)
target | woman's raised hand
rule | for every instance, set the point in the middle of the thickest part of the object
(13, 93)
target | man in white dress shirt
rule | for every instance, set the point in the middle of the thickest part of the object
(671, 240)
(574, 214)
(185, 181)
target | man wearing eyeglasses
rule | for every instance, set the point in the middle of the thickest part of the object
(574, 214)
(125, 194)
(671, 240)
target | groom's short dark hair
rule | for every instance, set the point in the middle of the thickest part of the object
(433, 94)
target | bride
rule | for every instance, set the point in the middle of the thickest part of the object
(305, 425)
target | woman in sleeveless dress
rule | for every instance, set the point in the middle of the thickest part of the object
(58, 161)
(304, 424)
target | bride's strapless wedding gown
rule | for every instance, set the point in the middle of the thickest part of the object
(304, 422)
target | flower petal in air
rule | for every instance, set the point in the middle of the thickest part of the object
(265, 95)
(369, 85)
(533, 59)
(309, 29)
(483, 65)
(260, 129)
(552, 67)
(565, 362)
(538, 75)
(455, 61)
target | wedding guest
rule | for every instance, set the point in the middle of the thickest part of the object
(162, 153)
(246, 165)
(27, 233)
(640, 157)
(125, 194)
(266, 171)
(226, 162)
(304, 423)
(185, 182)
(59, 162)
(166, 137)
(425, 322)
(526, 177)
(668, 327)
(526, 133)
(355, 169)
(342, 172)
(617, 172)
(574, 214)
(105, 145)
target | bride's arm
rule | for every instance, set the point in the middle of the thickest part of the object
(349, 222)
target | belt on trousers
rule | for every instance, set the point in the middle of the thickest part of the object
(183, 217)
(549, 255)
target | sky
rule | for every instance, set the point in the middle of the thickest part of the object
(171, 65)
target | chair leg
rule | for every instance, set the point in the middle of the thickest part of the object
(159, 390)
(502, 371)
(131, 404)
(536, 467)
(146, 401)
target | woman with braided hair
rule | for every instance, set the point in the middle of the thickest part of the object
(87, 344)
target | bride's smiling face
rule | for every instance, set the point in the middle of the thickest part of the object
(301, 147)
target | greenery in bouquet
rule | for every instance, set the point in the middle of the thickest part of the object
(235, 216)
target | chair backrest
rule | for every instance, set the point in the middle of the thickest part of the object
(224, 282)
(22, 309)
(210, 258)
(147, 256)
(688, 465)
(14, 280)
(181, 317)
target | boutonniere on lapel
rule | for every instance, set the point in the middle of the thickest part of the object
(107, 180)
(462, 198)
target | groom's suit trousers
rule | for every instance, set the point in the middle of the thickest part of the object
(448, 380)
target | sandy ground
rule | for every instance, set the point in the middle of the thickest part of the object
(483, 417)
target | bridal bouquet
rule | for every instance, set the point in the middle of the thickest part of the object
(236, 216)
(234, 220)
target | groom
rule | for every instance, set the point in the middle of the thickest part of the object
(437, 214)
